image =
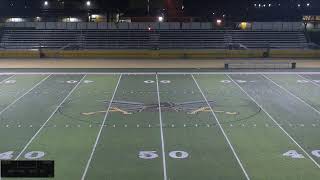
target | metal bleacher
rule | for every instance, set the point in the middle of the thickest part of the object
(192, 39)
(144, 39)
(115, 39)
(272, 39)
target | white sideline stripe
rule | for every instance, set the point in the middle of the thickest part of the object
(222, 130)
(310, 80)
(35, 135)
(7, 107)
(237, 72)
(152, 73)
(161, 133)
(78, 73)
(283, 88)
(276, 122)
(99, 134)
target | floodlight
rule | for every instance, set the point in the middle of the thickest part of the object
(88, 3)
(219, 21)
(160, 18)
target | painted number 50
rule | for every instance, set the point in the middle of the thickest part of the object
(172, 154)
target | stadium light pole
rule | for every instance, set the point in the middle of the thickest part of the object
(88, 5)
(148, 7)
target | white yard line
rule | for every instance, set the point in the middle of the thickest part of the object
(161, 133)
(35, 135)
(286, 90)
(11, 75)
(276, 122)
(310, 80)
(222, 130)
(99, 134)
(7, 107)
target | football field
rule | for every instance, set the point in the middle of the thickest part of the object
(164, 126)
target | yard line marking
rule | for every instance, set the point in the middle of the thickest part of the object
(99, 134)
(7, 107)
(161, 133)
(222, 130)
(44, 124)
(316, 84)
(7, 78)
(276, 122)
(292, 94)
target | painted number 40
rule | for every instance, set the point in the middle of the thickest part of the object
(29, 155)
(295, 155)
(154, 154)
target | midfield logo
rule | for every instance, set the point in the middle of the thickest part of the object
(127, 107)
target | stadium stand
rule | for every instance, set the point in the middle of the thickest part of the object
(272, 39)
(192, 39)
(155, 39)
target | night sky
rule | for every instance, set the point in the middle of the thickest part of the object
(203, 8)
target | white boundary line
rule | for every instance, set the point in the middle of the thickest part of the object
(161, 133)
(309, 80)
(222, 130)
(240, 72)
(99, 134)
(286, 90)
(153, 73)
(7, 107)
(0, 113)
(276, 122)
(35, 135)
